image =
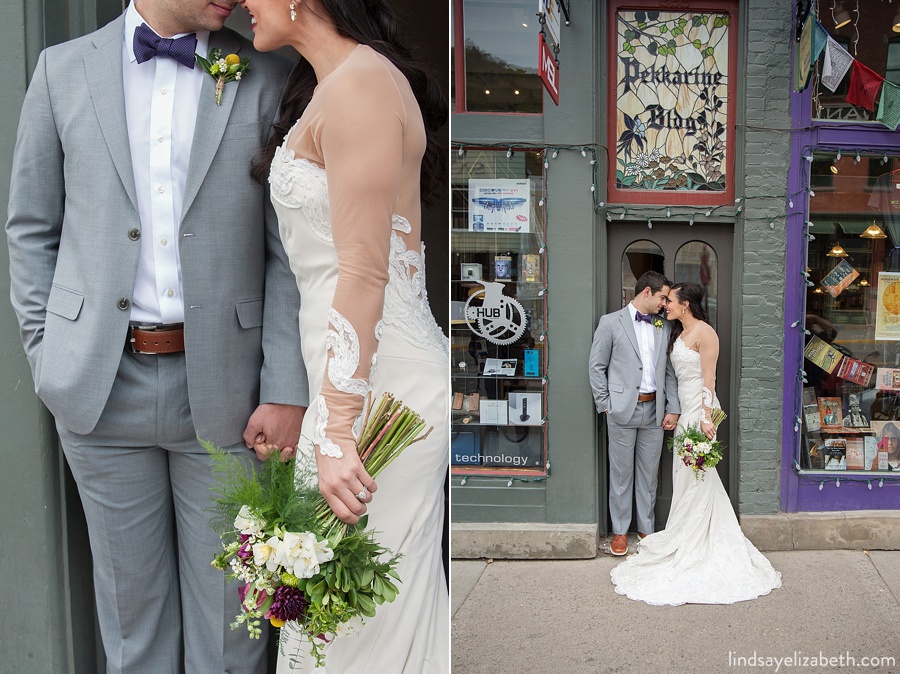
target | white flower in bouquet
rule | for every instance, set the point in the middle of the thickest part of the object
(246, 523)
(301, 554)
(703, 448)
(265, 553)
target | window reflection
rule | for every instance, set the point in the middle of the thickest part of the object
(696, 262)
(639, 257)
(501, 56)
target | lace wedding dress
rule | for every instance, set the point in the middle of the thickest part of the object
(702, 556)
(345, 186)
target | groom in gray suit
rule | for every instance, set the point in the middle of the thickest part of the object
(634, 385)
(156, 306)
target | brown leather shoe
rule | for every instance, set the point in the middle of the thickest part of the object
(619, 545)
(642, 536)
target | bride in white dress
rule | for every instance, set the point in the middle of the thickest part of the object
(702, 556)
(353, 155)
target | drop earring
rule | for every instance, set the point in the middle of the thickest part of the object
(682, 311)
(293, 12)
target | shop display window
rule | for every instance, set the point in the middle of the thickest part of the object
(868, 37)
(499, 311)
(850, 399)
(495, 57)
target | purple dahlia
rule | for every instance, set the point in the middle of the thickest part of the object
(289, 604)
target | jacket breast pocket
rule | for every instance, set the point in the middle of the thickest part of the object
(250, 313)
(65, 302)
(244, 130)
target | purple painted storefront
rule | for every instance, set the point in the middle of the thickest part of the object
(811, 490)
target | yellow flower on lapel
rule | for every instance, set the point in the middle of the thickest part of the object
(227, 69)
(657, 323)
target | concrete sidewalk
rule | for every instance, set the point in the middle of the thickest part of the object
(564, 617)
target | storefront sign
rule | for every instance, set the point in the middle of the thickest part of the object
(550, 9)
(497, 205)
(548, 69)
(673, 71)
(494, 316)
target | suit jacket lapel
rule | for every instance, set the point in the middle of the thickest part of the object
(211, 122)
(103, 68)
(659, 344)
(628, 328)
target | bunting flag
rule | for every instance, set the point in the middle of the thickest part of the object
(864, 84)
(837, 63)
(889, 106)
(819, 40)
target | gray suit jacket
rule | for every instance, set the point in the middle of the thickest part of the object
(614, 369)
(73, 264)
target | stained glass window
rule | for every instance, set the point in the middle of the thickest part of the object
(672, 89)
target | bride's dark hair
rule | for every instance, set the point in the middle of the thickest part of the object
(693, 295)
(372, 23)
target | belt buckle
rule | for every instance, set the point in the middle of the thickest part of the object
(153, 327)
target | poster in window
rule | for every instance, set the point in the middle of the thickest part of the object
(830, 412)
(887, 315)
(499, 205)
(672, 91)
(840, 278)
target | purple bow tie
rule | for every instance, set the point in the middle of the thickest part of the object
(148, 44)
(647, 318)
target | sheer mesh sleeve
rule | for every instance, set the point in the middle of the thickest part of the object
(361, 143)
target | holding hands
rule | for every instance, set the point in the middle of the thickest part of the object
(670, 421)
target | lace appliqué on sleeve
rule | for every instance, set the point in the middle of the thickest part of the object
(326, 446)
(406, 308)
(344, 343)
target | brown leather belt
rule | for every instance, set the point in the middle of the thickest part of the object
(646, 397)
(156, 339)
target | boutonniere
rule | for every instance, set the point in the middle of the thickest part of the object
(223, 69)
(657, 323)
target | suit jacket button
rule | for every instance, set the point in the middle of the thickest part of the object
(123, 303)
(134, 234)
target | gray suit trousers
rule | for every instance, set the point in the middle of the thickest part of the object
(144, 482)
(634, 453)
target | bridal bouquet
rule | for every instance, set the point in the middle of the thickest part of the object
(697, 452)
(300, 565)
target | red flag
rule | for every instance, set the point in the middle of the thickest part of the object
(864, 85)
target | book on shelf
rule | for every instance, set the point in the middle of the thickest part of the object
(870, 452)
(855, 453)
(811, 418)
(830, 412)
(814, 456)
(835, 451)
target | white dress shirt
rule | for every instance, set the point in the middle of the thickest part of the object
(161, 102)
(646, 339)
